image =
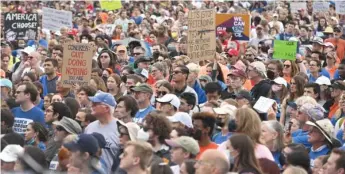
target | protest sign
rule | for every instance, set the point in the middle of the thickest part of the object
(263, 104)
(319, 6)
(54, 20)
(201, 35)
(20, 26)
(340, 7)
(286, 50)
(238, 23)
(77, 64)
(295, 6)
(110, 4)
(108, 29)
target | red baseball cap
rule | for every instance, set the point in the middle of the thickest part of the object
(237, 73)
(233, 52)
(221, 33)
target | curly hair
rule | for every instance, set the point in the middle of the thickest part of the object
(208, 120)
(160, 125)
(41, 130)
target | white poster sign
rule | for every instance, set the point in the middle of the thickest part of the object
(54, 19)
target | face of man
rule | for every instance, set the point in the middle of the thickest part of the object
(331, 165)
(178, 155)
(49, 68)
(120, 110)
(341, 70)
(335, 92)
(178, 75)
(83, 98)
(4, 62)
(20, 95)
(155, 48)
(81, 118)
(7, 166)
(141, 97)
(129, 83)
(99, 109)
(184, 107)
(203, 166)
(128, 160)
(137, 53)
(33, 58)
(144, 65)
(212, 96)
(55, 53)
(315, 136)
(310, 92)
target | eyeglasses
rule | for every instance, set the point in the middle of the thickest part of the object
(122, 134)
(48, 110)
(287, 66)
(136, 54)
(30, 57)
(177, 72)
(60, 128)
(312, 65)
(159, 93)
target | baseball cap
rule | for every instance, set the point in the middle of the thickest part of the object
(318, 40)
(121, 48)
(225, 109)
(11, 152)
(103, 97)
(338, 85)
(221, 33)
(170, 98)
(183, 118)
(325, 126)
(237, 73)
(141, 59)
(322, 80)
(280, 81)
(259, 67)
(315, 112)
(70, 125)
(206, 78)
(233, 52)
(337, 29)
(187, 143)
(28, 50)
(84, 143)
(131, 127)
(292, 105)
(6, 83)
(142, 72)
(244, 94)
(143, 87)
(100, 139)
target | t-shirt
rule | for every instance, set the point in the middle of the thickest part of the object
(49, 86)
(141, 114)
(111, 135)
(301, 137)
(219, 138)
(313, 154)
(22, 119)
(262, 151)
(212, 145)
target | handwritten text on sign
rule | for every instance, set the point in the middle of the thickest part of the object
(201, 35)
(77, 64)
(53, 19)
(285, 50)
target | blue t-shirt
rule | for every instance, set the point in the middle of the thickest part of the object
(301, 137)
(140, 115)
(340, 135)
(323, 150)
(276, 156)
(22, 119)
(322, 73)
(137, 19)
(218, 138)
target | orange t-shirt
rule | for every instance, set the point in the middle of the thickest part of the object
(248, 85)
(212, 145)
(331, 71)
(287, 78)
(333, 109)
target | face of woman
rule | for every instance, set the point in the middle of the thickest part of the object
(26, 79)
(30, 133)
(266, 135)
(104, 58)
(118, 30)
(162, 91)
(56, 98)
(287, 68)
(293, 87)
(48, 114)
(322, 22)
(111, 83)
(276, 87)
(156, 73)
(46, 102)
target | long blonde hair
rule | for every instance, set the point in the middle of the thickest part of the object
(248, 122)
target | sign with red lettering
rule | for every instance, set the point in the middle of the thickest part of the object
(76, 64)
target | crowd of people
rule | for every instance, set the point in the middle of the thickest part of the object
(149, 108)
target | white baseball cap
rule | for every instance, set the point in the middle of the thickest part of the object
(170, 98)
(225, 109)
(323, 80)
(280, 81)
(28, 50)
(11, 153)
(183, 118)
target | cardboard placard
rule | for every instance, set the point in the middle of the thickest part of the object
(54, 20)
(295, 6)
(239, 23)
(108, 29)
(263, 104)
(21, 26)
(286, 50)
(319, 6)
(201, 35)
(340, 7)
(110, 4)
(76, 64)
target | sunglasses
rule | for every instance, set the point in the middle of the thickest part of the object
(60, 128)
(159, 93)
(122, 134)
(136, 54)
(287, 66)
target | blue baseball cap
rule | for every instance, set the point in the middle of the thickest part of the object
(103, 97)
(84, 143)
(100, 139)
(6, 83)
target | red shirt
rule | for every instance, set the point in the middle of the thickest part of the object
(212, 145)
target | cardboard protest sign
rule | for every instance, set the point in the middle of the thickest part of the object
(110, 4)
(295, 6)
(54, 20)
(20, 26)
(286, 50)
(239, 23)
(76, 64)
(319, 6)
(201, 35)
(339, 7)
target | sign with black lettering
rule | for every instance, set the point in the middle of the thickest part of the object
(77, 64)
(286, 50)
(201, 35)
(21, 26)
